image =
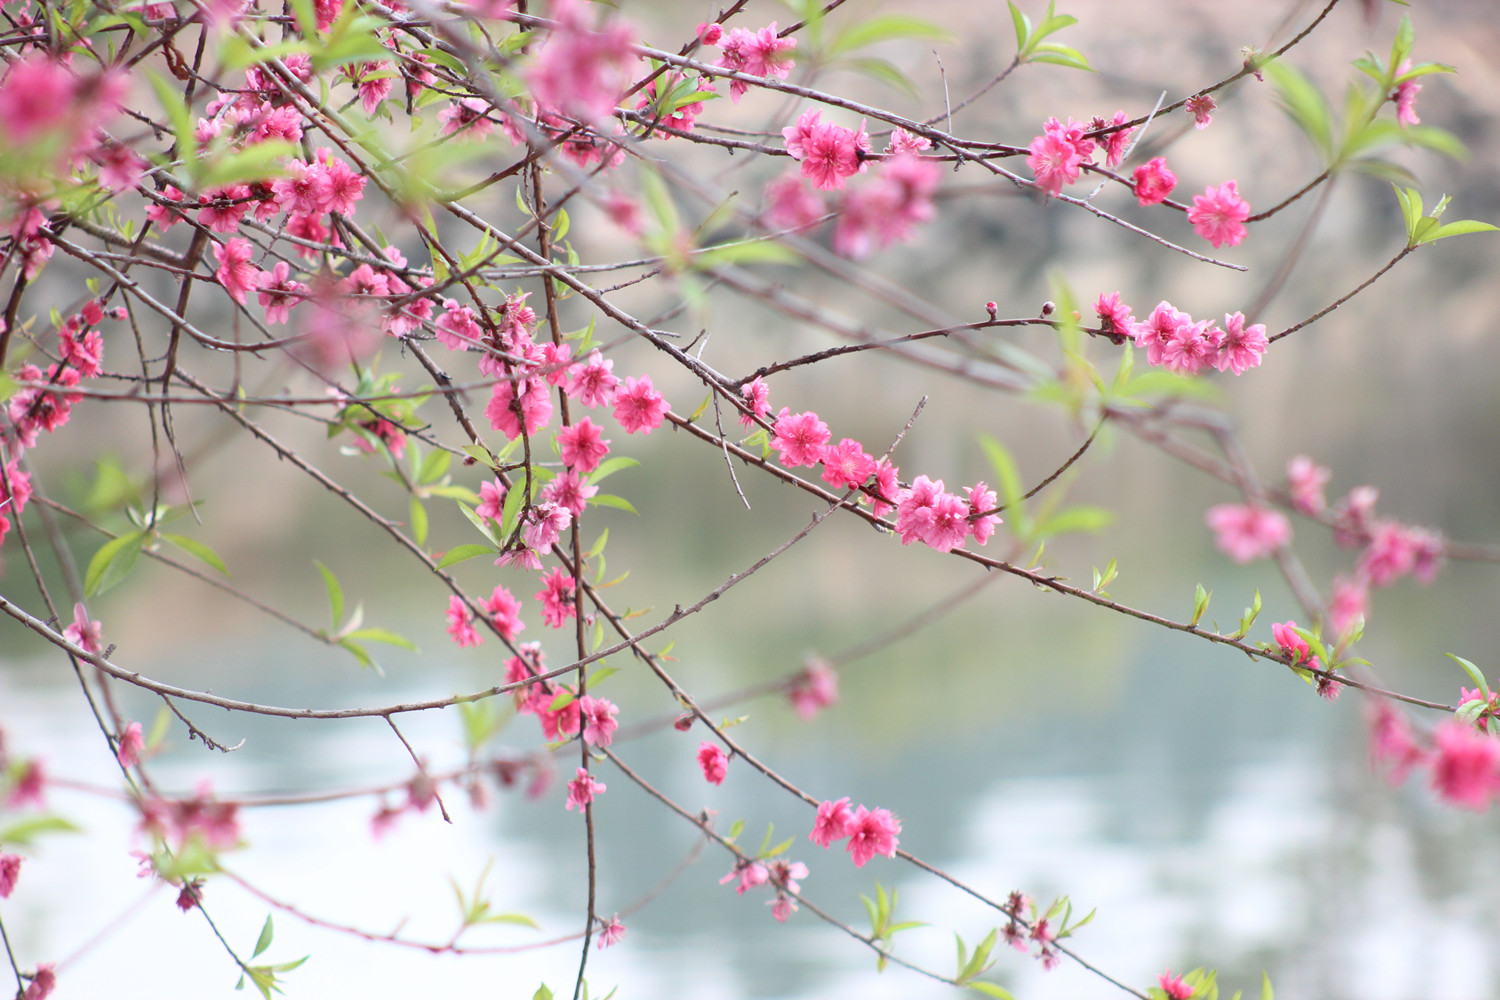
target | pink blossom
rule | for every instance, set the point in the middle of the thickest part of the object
(10, 871)
(1391, 741)
(914, 508)
(613, 932)
(902, 141)
(833, 822)
(374, 81)
(782, 907)
(582, 789)
(638, 406)
(1153, 180)
(505, 611)
(556, 596)
(85, 633)
(1191, 347)
(872, 832)
(85, 354)
(1115, 318)
(544, 524)
(36, 94)
(1241, 347)
(1116, 142)
(1392, 553)
(981, 500)
(1201, 107)
(713, 762)
(461, 623)
(756, 53)
(1354, 517)
(947, 523)
(535, 406)
(1293, 644)
(886, 210)
(791, 205)
(491, 500)
(1054, 161)
(336, 187)
(625, 212)
(570, 491)
(1245, 532)
(119, 168)
(224, 208)
(29, 786)
(814, 689)
(592, 383)
(829, 153)
(42, 984)
(579, 70)
(749, 873)
(1174, 987)
(131, 745)
(710, 32)
(215, 823)
(582, 446)
(468, 116)
(799, 438)
(557, 723)
(1466, 771)
(277, 294)
(235, 271)
(1158, 330)
(1406, 97)
(1305, 481)
(1219, 213)
(757, 398)
(1349, 602)
(457, 328)
(598, 718)
(887, 487)
(846, 466)
(557, 360)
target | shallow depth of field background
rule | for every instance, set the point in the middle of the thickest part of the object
(1214, 810)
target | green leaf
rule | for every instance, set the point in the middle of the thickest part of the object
(1200, 604)
(384, 635)
(886, 72)
(1061, 55)
(610, 500)
(1475, 674)
(359, 653)
(178, 117)
(885, 28)
(198, 550)
(267, 932)
(1081, 518)
(1022, 24)
(461, 553)
(1266, 993)
(418, 522)
(112, 562)
(335, 592)
(1438, 140)
(435, 465)
(1461, 228)
(735, 829)
(763, 251)
(990, 989)
(542, 993)
(259, 162)
(25, 831)
(236, 53)
(1305, 105)
(510, 512)
(609, 467)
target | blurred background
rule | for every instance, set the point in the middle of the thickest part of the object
(1214, 810)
